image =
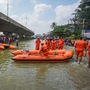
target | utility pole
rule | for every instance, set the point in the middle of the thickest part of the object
(83, 27)
(26, 21)
(7, 8)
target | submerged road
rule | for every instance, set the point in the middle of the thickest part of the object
(42, 76)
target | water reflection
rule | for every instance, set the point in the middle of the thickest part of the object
(4, 55)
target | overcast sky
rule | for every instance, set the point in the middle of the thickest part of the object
(38, 15)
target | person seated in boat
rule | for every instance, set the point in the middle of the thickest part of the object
(44, 50)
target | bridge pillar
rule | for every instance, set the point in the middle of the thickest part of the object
(20, 36)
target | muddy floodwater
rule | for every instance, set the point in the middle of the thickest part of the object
(42, 76)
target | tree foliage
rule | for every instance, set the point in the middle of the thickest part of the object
(81, 21)
(83, 14)
(53, 25)
(60, 31)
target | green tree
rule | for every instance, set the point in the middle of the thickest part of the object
(61, 31)
(83, 14)
(53, 25)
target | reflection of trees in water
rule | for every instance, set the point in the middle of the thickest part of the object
(5, 56)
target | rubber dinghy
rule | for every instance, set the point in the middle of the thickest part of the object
(21, 52)
(55, 57)
(6, 46)
(1, 48)
(34, 52)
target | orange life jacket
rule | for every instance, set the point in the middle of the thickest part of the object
(80, 45)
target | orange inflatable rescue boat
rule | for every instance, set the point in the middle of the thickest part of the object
(1, 47)
(54, 56)
(21, 52)
(6, 46)
(34, 52)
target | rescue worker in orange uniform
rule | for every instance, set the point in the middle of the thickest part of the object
(53, 44)
(37, 42)
(80, 46)
(48, 43)
(44, 50)
(60, 43)
(88, 48)
(72, 41)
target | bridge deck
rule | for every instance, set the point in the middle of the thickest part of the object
(9, 25)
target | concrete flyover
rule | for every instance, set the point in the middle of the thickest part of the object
(8, 25)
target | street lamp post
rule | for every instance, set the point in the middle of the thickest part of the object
(7, 8)
(83, 27)
(26, 21)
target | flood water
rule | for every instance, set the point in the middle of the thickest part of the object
(42, 76)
